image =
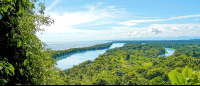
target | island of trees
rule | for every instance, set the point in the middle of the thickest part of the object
(24, 60)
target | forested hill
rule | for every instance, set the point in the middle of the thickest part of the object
(115, 64)
(134, 64)
(57, 54)
(25, 61)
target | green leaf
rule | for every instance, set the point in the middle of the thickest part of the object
(19, 43)
(25, 62)
(11, 69)
(176, 78)
(187, 73)
(6, 70)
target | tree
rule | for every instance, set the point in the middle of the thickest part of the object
(128, 57)
(22, 60)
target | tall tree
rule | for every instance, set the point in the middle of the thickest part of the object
(21, 52)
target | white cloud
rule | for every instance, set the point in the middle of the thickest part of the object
(59, 29)
(187, 16)
(96, 14)
(158, 30)
(111, 7)
(175, 28)
(135, 22)
(81, 17)
(134, 32)
(174, 25)
(52, 5)
(191, 28)
(93, 16)
(155, 30)
(129, 34)
(65, 22)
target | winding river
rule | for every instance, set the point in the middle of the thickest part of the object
(68, 61)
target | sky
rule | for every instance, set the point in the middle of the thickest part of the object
(91, 20)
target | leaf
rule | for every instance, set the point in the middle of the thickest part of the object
(25, 62)
(176, 78)
(11, 69)
(187, 73)
(6, 70)
(19, 43)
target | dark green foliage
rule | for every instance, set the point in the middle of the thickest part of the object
(23, 60)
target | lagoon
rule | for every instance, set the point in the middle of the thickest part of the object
(68, 61)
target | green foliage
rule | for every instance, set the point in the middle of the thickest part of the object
(142, 67)
(157, 81)
(24, 60)
(176, 78)
(187, 73)
(188, 77)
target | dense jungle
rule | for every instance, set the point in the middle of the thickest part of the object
(24, 59)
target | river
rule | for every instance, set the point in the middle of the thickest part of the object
(170, 51)
(68, 61)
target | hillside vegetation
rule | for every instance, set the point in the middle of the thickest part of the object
(24, 60)
(134, 64)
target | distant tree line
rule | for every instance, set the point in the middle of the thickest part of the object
(59, 53)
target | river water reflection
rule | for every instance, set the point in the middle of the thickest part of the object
(170, 52)
(68, 61)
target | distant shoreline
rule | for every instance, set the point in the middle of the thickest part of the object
(60, 53)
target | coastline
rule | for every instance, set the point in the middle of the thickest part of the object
(59, 53)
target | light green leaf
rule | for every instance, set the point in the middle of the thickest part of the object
(25, 62)
(187, 72)
(11, 69)
(176, 78)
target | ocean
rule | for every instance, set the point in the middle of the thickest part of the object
(68, 45)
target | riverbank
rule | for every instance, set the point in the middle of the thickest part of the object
(125, 65)
(68, 61)
(59, 53)
(168, 52)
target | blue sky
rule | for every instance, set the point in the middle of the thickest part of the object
(88, 20)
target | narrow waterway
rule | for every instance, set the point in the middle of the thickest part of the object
(170, 51)
(69, 61)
